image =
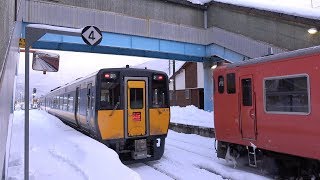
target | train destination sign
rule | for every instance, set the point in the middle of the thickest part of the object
(91, 35)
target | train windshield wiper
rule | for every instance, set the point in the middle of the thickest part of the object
(115, 107)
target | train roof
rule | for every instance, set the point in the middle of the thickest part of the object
(280, 56)
(131, 69)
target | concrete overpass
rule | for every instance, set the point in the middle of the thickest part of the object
(172, 29)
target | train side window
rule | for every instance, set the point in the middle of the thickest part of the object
(65, 102)
(246, 92)
(220, 84)
(214, 85)
(136, 98)
(70, 104)
(287, 94)
(57, 102)
(231, 83)
(61, 103)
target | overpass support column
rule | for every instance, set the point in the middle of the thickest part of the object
(208, 86)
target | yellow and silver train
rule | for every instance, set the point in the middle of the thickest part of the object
(126, 109)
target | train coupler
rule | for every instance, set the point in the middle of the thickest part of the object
(140, 149)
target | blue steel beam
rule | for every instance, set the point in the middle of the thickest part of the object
(122, 44)
(125, 45)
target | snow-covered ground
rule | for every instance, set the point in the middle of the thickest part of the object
(60, 152)
(191, 157)
(191, 115)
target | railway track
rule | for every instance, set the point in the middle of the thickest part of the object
(161, 171)
(191, 157)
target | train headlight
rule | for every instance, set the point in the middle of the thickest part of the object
(158, 77)
(110, 76)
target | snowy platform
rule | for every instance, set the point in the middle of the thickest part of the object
(60, 152)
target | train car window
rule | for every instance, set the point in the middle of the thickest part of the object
(287, 94)
(109, 95)
(231, 83)
(136, 98)
(214, 85)
(89, 95)
(65, 102)
(70, 103)
(61, 102)
(54, 102)
(57, 106)
(159, 93)
(246, 92)
(220, 84)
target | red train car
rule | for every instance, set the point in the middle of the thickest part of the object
(269, 107)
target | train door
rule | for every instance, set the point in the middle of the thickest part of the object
(89, 104)
(247, 108)
(77, 106)
(136, 121)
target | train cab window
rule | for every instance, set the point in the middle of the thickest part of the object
(246, 92)
(70, 104)
(109, 95)
(136, 98)
(159, 93)
(220, 84)
(231, 83)
(287, 94)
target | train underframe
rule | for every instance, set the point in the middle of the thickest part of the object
(136, 150)
(278, 165)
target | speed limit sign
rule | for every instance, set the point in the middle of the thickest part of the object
(91, 35)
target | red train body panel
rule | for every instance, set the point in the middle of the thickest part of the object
(274, 103)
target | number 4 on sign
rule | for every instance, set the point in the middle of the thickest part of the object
(91, 35)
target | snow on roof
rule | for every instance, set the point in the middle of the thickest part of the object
(55, 28)
(302, 8)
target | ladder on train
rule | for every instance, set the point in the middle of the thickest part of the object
(252, 156)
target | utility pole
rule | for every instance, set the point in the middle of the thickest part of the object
(174, 82)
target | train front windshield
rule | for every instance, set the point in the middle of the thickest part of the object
(110, 95)
(110, 91)
(159, 94)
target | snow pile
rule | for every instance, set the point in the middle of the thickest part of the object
(60, 152)
(199, 1)
(302, 8)
(191, 115)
